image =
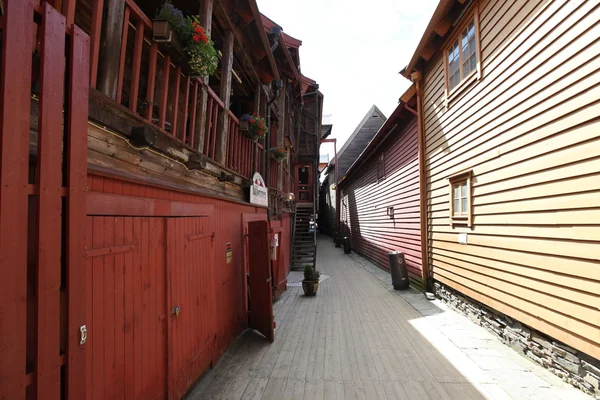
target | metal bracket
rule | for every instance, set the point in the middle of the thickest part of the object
(175, 310)
(83, 334)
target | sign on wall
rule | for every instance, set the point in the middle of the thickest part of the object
(228, 252)
(259, 194)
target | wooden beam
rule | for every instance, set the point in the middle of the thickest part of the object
(443, 26)
(49, 204)
(206, 16)
(246, 60)
(76, 148)
(427, 53)
(15, 64)
(110, 47)
(114, 204)
(225, 95)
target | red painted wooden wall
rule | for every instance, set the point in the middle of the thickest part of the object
(365, 199)
(42, 203)
(126, 307)
(195, 257)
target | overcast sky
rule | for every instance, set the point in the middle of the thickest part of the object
(354, 50)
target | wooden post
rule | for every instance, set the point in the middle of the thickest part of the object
(225, 94)
(15, 98)
(110, 48)
(281, 130)
(206, 12)
(257, 94)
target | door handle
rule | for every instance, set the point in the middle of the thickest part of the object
(175, 310)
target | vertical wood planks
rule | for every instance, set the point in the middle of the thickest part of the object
(50, 203)
(151, 81)
(96, 31)
(186, 104)
(14, 152)
(175, 101)
(123, 54)
(137, 65)
(192, 132)
(165, 92)
(76, 147)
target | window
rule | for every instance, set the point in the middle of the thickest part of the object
(460, 199)
(381, 166)
(463, 56)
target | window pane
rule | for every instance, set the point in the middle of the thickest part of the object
(456, 209)
(463, 207)
(456, 192)
(464, 189)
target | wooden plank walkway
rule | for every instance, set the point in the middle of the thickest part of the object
(356, 339)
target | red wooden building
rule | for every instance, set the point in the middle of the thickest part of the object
(128, 244)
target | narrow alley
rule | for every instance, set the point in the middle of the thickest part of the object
(359, 339)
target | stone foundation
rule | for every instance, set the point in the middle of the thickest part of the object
(572, 366)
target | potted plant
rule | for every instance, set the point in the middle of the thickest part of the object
(279, 153)
(253, 126)
(185, 39)
(310, 284)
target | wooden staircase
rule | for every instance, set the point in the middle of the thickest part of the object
(304, 246)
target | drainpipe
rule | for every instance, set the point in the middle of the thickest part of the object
(417, 78)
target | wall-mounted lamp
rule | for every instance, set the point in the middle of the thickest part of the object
(390, 212)
(290, 196)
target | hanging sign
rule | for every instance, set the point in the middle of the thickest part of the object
(228, 252)
(259, 194)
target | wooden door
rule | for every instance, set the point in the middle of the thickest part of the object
(304, 183)
(261, 294)
(192, 306)
(126, 308)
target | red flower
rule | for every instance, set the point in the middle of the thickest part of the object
(251, 121)
(196, 38)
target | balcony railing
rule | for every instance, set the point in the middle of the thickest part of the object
(240, 149)
(159, 89)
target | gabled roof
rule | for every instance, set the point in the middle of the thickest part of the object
(441, 24)
(401, 112)
(360, 138)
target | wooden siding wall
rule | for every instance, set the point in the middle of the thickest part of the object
(365, 200)
(281, 267)
(230, 278)
(530, 131)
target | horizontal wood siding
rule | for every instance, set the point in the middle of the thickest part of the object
(365, 200)
(530, 132)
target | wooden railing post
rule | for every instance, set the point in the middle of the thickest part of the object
(281, 130)
(206, 11)
(257, 96)
(225, 94)
(110, 48)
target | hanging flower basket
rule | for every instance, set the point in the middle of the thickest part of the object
(185, 39)
(279, 153)
(253, 126)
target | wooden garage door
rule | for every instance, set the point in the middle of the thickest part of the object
(190, 256)
(126, 308)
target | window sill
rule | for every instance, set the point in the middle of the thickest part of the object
(473, 76)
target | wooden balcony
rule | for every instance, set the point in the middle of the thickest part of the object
(155, 87)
